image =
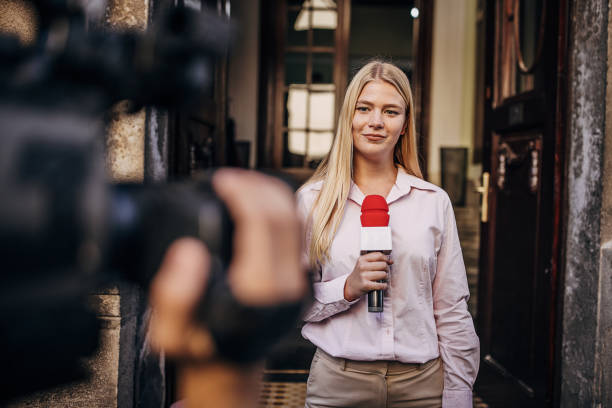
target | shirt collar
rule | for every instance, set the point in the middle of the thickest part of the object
(404, 182)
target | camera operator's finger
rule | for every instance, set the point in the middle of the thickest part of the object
(266, 267)
(175, 291)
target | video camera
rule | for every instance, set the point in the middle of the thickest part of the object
(64, 231)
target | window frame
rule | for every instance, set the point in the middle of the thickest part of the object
(272, 86)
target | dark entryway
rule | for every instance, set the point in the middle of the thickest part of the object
(522, 152)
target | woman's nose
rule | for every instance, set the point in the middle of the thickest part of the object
(376, 119)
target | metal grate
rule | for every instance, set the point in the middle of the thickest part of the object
(286, 395)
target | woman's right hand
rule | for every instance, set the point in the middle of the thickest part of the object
(369, 269)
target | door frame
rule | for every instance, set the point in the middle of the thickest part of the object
(486, 381)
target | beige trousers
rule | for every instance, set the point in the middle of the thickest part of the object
(338, 382)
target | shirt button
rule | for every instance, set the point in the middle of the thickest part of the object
(388, 332)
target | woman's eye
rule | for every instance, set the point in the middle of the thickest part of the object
(392, 112)
(362, 108)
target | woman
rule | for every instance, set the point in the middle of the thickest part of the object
(422, 350)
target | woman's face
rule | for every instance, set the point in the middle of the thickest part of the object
(378, 121)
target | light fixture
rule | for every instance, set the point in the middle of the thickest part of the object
(414, 12)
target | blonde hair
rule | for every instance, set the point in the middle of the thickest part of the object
(336, 169)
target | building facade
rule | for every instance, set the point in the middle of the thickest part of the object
(511, 99)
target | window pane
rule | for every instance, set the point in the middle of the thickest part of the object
(312, 3)
(296, 107)
(319, 144)
(323, 37)
(295, 148)
(291, 159)
(285, 111)
(530, 15)
(295, 35)
(318, 14)
(295, 68)
(322, 107)
(324, 24)
(509, 79)
(325, 19)
(322, 69)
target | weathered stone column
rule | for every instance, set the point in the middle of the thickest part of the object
(119, 308)
(603, 356)
(586, 305)
(125, 141)
(129, 159)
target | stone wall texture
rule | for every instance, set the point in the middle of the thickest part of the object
(125, 143)
(125, 162)
(18, 17)
(603, 360)
(100, 390)
(586, 130)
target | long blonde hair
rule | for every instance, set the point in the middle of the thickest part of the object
(336, 169)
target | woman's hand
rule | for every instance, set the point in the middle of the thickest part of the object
(369, 269)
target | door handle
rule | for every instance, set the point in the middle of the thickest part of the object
(534, 170)
(484, 204)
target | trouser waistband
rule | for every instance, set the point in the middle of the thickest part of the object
(377, 366)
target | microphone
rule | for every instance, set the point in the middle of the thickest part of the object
(375, 237)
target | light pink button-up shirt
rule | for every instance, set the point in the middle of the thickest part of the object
(425, 306)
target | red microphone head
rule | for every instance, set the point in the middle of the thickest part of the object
(374, 211)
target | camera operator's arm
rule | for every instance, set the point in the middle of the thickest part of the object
(265, 271)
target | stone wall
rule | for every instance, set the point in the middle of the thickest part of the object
(126, 134)
(100, 390)
(603, 358)
(17, 17)
(584, 327)
(113, 366)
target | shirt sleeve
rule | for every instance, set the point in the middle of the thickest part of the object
(459, 346)
(328, 299)
(328, 296)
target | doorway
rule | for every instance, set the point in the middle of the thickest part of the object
(522, 153)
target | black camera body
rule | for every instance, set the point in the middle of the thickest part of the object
(65, 231)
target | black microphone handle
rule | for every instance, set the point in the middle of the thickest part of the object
(375, 300)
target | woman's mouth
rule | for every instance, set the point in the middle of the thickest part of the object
(372, 137)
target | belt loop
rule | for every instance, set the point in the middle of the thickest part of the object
(343, 365)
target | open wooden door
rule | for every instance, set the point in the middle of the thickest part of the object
(522, 146)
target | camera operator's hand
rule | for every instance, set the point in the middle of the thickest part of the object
(266, 266)
(265, 270)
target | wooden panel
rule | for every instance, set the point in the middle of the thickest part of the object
(515, 256)
(423, 40)
(521, 244)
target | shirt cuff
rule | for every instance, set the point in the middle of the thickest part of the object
(332, 291)
(457, 399)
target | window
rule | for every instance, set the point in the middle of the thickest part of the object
(519, 38)
(309, 90)
(309, 50)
